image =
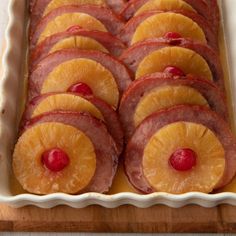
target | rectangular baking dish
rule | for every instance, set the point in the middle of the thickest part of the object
(12, 92)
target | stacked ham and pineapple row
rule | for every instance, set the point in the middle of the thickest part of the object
(71, 136)
(83, 105)
(175, 113)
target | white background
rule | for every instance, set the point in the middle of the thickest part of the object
(3, 19)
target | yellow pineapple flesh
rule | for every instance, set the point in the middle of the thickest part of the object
(161, 23)
(121, 183)
(35, 177)
(68, 102)
(59, 3)
(164, 5)
(203, 177)
(79, 42)
(67, 20)
(165, 97)
(185, 59)
(87, 71)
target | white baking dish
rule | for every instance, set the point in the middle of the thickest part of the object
(12, 85)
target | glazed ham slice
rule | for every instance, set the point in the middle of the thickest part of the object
(141, 87)
(111, 43)
(37, 7)
(208, 9)
(110, 116)
(42, 70)
(194, 114)
(105, 148)
(112, 22)
(136, 53)
(129, 29)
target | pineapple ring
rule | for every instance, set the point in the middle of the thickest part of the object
(66, 102)
(59, 3)
(63, 22)
(201, 178)
(87, 71)
(164, 5)
(185, 59)
(157, 25)
(78, 42)
(36, 178)
(165, 97)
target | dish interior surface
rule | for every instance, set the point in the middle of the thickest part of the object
(13, 93)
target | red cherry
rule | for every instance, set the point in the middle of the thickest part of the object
(81, 88)
(174, 71)
(74, 29)
(55, 159)
(183, 159)
(172, 35)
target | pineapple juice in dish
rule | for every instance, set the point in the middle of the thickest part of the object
(121, 183)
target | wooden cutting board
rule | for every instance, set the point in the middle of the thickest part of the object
(162, 219)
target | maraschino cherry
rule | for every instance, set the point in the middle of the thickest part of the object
(81, 88)
(174, 71)
(55, 159)
(74, 29)
(183, 159)
(172, 35)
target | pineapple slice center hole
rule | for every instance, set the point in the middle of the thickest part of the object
(172, 35)
(174, 71)
(81, 88)
(203, 177)
(55, 159)
(183, 159)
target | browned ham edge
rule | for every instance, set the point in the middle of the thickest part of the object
(110, 116)
(111, 21)
(37, 8)
(41, 71)
(105, 148)
(195, 114)
(143, 86)
(127, 32)
(208, 9)
(136, 53)
(111, 43)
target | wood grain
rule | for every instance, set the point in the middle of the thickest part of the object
(161, 219)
